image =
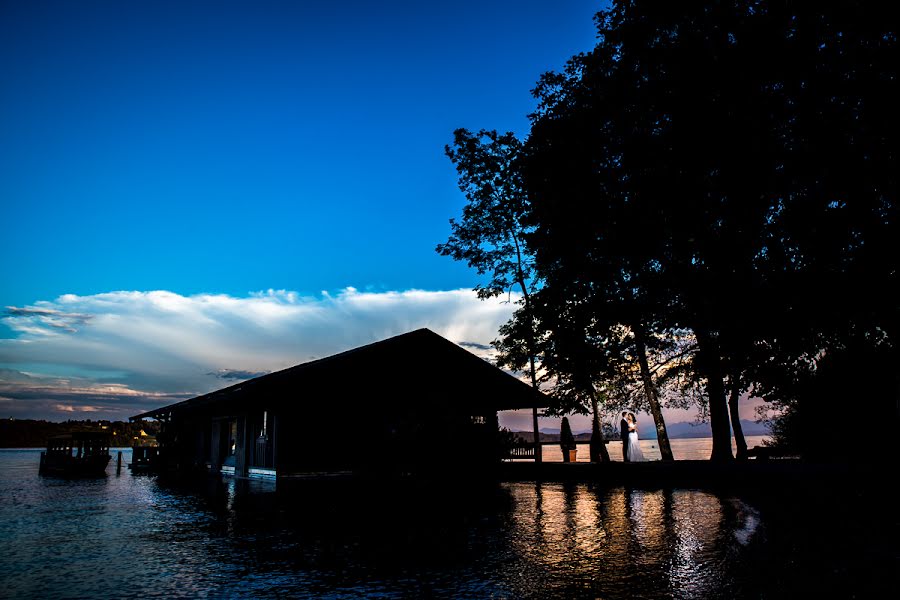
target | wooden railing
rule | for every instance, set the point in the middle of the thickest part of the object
(520, 452)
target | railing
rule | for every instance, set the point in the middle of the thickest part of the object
(520, 452)
(525, 450)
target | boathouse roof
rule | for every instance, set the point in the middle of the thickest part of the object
(420, 358)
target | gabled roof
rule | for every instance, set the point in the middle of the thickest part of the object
(419, 357)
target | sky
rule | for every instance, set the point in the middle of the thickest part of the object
(198, 192)
(230, 147)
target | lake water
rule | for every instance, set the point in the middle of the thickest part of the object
(682, 449)
(126, 536)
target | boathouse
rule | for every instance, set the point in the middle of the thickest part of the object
(411, 403)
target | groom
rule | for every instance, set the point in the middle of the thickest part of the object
(623, 434)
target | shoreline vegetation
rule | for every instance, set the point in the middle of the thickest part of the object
(33, 433)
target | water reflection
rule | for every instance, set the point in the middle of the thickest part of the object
(624, 541)
(234, 538)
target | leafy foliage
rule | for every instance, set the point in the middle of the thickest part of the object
(712, 187)
(490, 236)
(723, 169)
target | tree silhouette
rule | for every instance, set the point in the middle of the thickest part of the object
(726, 169)
(490, 237)
(723, 168)
(571, 359)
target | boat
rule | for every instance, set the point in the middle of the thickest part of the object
(144, 459)
(82, 453)
(144, 454)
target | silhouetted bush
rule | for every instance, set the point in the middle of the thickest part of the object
(566, 439)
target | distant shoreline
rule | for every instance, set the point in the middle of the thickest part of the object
(585, 438)
(681, 430)
(34, 433)
(111, 448)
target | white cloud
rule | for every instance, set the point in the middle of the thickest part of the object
(167, 346)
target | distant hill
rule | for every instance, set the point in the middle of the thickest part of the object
(686, 429)
(552, 435)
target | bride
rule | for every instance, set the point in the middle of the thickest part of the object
(634, 446)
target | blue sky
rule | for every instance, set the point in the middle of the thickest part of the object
(231, 147)
(193, 192)
(196, 190)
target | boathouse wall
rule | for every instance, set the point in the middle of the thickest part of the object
(412, 403)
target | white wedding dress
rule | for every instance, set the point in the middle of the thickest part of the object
(634, 448)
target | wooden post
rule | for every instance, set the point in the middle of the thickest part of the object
(274, 441)
(242, 448)
(119, 463)
(215, 445)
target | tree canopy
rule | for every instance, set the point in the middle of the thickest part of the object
(726, 169)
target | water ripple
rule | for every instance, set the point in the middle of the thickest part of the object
(138, 536)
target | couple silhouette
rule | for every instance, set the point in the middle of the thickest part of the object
(631, 447)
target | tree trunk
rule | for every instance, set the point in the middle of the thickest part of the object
(538, 454)
(538, 457)
(711, 369)
(598, 451)
(652, 394)
(733, 399)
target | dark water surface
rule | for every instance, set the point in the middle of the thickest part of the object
(138, 536)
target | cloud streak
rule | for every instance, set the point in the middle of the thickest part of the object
(159, 347)
(476, 346)
(27, 396)
(237, 375)
(36, 319)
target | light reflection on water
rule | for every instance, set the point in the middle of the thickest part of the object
(137, 536)
(621, 539)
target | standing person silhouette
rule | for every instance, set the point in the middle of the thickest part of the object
(624, 428)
